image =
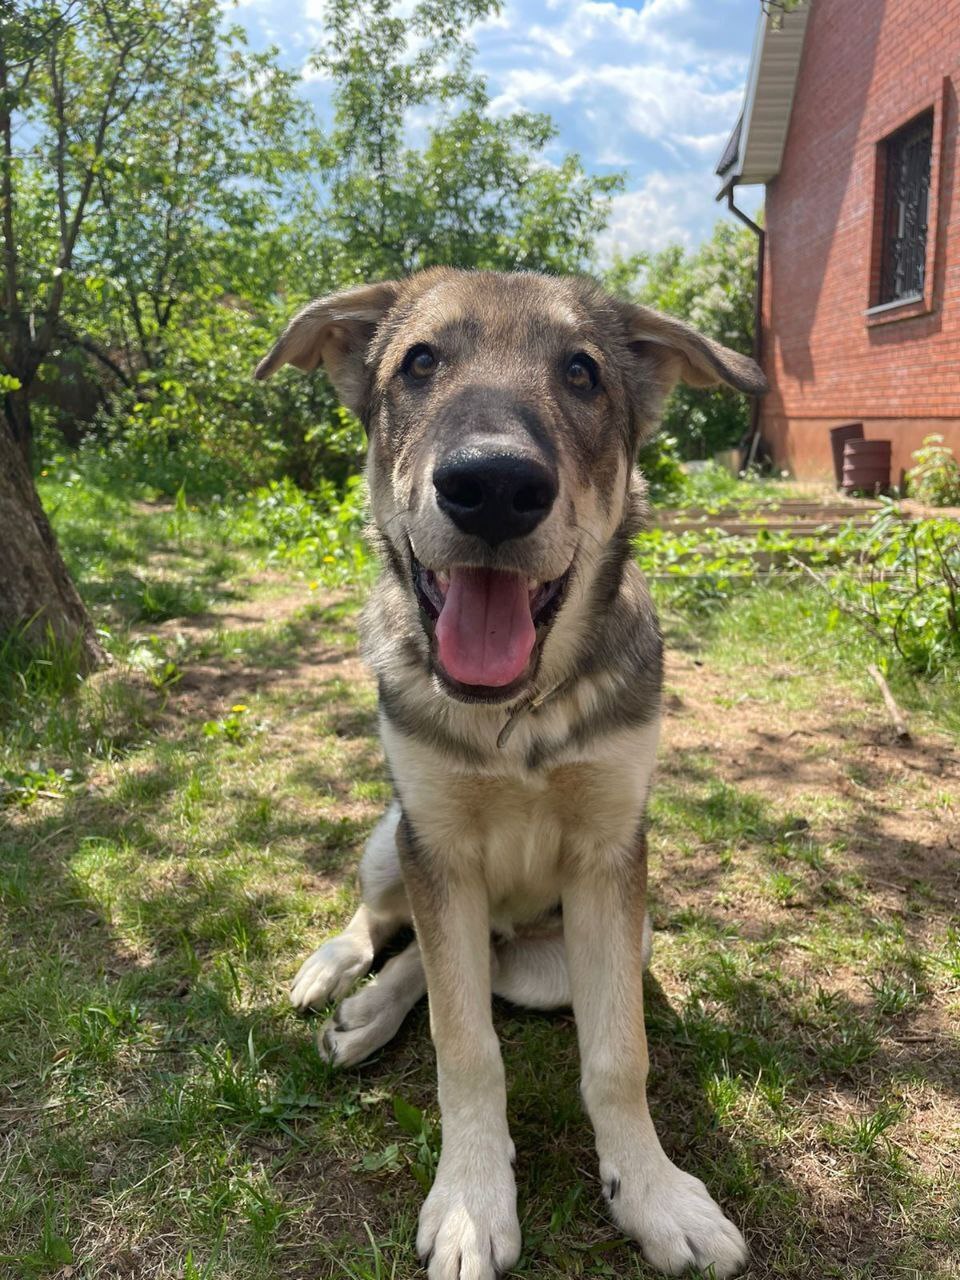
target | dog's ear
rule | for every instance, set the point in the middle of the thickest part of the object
(672, 351)
(335, 332)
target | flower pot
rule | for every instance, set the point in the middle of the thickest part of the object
(866, 466)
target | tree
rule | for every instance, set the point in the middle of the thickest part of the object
(712, 288)
(777, 8)
(184, 216)
(478, 192)
(70, 73)
(142, 148)
(37, 596)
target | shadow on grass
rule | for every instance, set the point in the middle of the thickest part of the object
(178, 1043)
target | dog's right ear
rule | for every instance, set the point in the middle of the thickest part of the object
(335, 332)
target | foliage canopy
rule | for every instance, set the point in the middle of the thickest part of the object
(712, 288)
(170, 199)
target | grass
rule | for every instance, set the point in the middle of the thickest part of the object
(178, 832)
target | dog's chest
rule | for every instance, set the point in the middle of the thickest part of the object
(524, 827)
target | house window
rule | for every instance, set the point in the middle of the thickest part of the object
(906, 203)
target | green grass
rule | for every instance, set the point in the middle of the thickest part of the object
(713, 487)
(178, 832)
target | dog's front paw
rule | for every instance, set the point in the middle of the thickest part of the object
(364, 1023)
(468, 1224)
(329, 973)
(673, 1217)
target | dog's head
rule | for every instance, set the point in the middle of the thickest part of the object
(503, 414)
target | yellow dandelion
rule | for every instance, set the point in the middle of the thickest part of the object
(239, 708)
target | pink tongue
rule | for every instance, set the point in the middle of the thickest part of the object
(485, 632)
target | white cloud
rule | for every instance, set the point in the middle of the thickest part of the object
(652, 88)
(663, 104)
(709, 145)
(658, 213)
(553, 40)
(645, 28)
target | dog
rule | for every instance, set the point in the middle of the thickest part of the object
(518, 658)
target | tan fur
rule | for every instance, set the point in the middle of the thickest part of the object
(511, 807)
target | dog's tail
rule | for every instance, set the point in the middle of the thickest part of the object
(532, 972)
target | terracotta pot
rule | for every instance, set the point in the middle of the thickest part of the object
(866, 466)
(838, 438)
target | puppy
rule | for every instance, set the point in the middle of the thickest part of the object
(518, 659)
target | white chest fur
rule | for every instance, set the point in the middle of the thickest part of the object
(523, 827)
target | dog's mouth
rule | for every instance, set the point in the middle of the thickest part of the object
(487, 625)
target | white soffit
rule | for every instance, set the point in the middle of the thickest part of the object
(771, 82)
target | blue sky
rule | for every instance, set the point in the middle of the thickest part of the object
(651, 89)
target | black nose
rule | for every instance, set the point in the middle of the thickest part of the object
(494, 495)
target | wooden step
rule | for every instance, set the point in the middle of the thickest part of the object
(745, 528)
(824, 510)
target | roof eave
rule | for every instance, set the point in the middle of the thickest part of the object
(768, 100)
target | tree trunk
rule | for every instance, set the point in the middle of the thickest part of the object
(37, 595)
(19, 420)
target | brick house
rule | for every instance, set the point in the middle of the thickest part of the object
(850, 121)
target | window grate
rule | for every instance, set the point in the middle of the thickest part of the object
(905, 210)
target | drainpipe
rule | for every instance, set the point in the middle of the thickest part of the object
(757, 319)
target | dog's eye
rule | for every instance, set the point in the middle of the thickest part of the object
(419, 362)
(582, 373)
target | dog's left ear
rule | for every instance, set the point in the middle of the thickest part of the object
(672, 351)
(335, 332)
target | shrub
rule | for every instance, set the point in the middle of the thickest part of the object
(321, 530)
(659, 460)
(200, 419)
(905, 589)
(934, 479)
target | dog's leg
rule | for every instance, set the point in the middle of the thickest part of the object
(530, 972)
(366, 1021)
(330, 972)
(668, 1211)
(468, 1225)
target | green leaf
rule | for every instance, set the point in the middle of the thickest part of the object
(408, 1117)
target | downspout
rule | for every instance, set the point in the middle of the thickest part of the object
(757, 320)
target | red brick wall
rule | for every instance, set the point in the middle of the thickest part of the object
(869, 66)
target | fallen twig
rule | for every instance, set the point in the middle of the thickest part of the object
(896, 715)
(840, 605)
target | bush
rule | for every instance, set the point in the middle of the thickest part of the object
(202, 421)
(659, 461)
(905, 588)
(935, 477)
(713, 289)
(321, 530)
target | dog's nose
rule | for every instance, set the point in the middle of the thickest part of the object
(494, 495)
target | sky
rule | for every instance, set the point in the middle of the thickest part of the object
(650, 89)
